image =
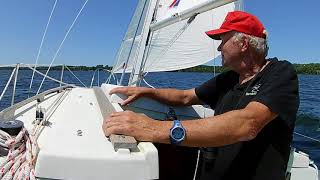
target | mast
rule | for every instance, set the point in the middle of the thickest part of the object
(136, 72)
(134, 38)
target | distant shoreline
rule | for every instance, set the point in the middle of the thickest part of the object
(313, 68)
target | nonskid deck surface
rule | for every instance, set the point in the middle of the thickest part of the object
(73, 145)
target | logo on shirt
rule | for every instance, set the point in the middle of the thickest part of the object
(254, 91)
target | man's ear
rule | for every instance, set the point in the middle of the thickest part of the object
(244, 44)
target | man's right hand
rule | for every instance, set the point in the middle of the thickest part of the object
(133, 93)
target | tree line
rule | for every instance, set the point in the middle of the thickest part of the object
(313, 68)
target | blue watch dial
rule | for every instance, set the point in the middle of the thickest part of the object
(178, 133)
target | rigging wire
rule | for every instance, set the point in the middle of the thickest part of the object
(40, 47)
(75, 76)
(8, 82)
(60, 46)
(46, 76)
(307, 137)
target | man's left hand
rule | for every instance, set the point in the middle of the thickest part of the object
(129, 123)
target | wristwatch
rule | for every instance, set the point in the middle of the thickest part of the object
(177, 133)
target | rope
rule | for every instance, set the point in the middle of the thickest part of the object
(40, 47)
(65, 37)
(197, 164)
(22, 153)
(76, 76)
(23, 149)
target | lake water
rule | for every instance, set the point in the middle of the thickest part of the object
(308, 118)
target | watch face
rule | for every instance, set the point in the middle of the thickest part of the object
(178, 133)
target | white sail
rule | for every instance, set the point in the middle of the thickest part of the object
(173, 48)
(130, 46)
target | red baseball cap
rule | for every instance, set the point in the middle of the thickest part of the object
(241, 22)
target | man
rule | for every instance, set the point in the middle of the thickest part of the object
(255, 108)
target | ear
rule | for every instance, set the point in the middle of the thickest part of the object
(244, 44)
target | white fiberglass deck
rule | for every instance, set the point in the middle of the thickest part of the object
(73, 146)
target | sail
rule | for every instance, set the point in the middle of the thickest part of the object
(180, 45)
(129, 47)
(177, 46)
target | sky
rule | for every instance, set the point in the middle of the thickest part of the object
(293, 28)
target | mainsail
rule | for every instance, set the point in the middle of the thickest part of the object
(182, 45)
(177, 46)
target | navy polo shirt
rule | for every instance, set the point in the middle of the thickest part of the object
(266, 156)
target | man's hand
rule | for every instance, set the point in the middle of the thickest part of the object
(133, 93)
(129, 123)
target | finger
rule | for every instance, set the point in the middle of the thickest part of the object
(117, 90)
(115, 114)
(127, 101)
(111, 124)
(113, 130)
(104, 129)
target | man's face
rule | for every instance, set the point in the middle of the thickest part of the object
(230, 50)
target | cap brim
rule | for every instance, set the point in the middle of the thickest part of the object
(215, 34)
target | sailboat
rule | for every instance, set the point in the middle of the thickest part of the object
(57, 134)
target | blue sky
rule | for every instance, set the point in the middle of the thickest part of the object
(293, 28)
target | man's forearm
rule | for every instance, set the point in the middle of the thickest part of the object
(220, 130)
(172, 97)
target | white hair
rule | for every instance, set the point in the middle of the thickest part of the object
(259, 44)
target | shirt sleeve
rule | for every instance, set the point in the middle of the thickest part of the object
(210, 91)
(280, 91)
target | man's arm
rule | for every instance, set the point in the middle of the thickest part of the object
(224, 129)
(228, 128)
(172, 97)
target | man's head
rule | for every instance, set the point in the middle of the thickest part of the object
(242, 35)
(239, 21)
